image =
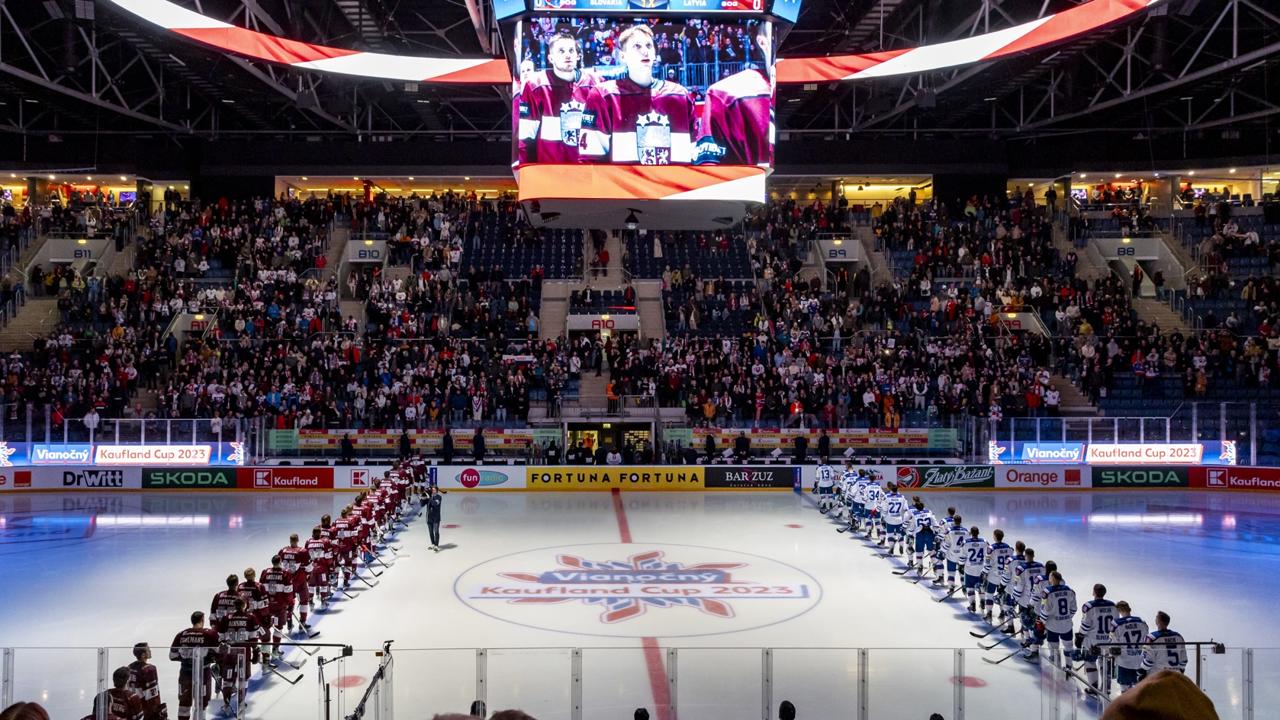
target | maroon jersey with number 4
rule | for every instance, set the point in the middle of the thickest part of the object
(629, 123)
(550, 120)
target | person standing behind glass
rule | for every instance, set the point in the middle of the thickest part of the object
(433, 503)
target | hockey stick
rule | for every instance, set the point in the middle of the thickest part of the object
(994, 628)
(906, 570)
(1006, 657)
(946, 597)
(303, 627)
(370, 583)
(295, 666)
(282, 676)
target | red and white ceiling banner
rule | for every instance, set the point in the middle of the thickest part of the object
(310, 56)
(1023, 38)
(1036, 34)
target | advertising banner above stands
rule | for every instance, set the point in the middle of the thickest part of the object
(676, 477)
(70, 478)
(422, 441)
(1206, 453)
(604, 323)
(21, 454)
(784, 438)
(367, 251)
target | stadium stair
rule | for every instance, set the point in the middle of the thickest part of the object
(1154, 311)
(649, 306)
(555, 308)
(36, 319)
(1072, 402)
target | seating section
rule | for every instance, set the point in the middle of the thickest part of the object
(718, 254)
(614, 302)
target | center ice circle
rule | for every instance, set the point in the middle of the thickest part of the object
(638, 590)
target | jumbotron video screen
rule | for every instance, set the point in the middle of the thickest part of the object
(643, 91)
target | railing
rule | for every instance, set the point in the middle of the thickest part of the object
(1191, 422)
(706, 683)
(38, 424)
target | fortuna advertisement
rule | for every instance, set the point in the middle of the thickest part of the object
(676, 477)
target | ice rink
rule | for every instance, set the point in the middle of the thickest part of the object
(533, 578)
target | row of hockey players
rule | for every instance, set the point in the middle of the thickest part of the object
(249, 620)
(1005, 584)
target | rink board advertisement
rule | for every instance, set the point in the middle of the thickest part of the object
(1141, 476)
(285, 477)
(1043, 477)
(750, 478)
(1236, 478)
(672, 477)
(70, 478)
(189, 478)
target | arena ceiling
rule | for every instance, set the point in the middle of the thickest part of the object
(1185, 71)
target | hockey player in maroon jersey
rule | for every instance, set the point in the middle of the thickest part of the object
(638, 118)
(318, 570)
(224, 601)
(279, 587)
(241, 635)
(195, 648)
(736, 127)
(551, 105)
(257, 600)
(117, 703)
(295, 560)
(345, 526)
(144, 682)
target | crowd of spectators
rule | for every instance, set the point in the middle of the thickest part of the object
(451, 343)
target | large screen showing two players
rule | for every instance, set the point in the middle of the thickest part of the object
(643, 91)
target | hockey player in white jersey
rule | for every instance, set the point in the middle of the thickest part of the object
(845, 490)
(1026, 584)
(974, 554)
(923, 528)
(1008, 598)
(825, 481)
(893, 512)
(1057, 612)
(998, 558)
(1130, 632)
(1097, 618)
(871, 508)
(1165, 649)
(955, 540)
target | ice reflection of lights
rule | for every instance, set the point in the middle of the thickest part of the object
(1146, 519)
(1228, 522)
(235, 521)
(133, 521)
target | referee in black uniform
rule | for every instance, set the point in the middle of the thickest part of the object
(433, 503)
